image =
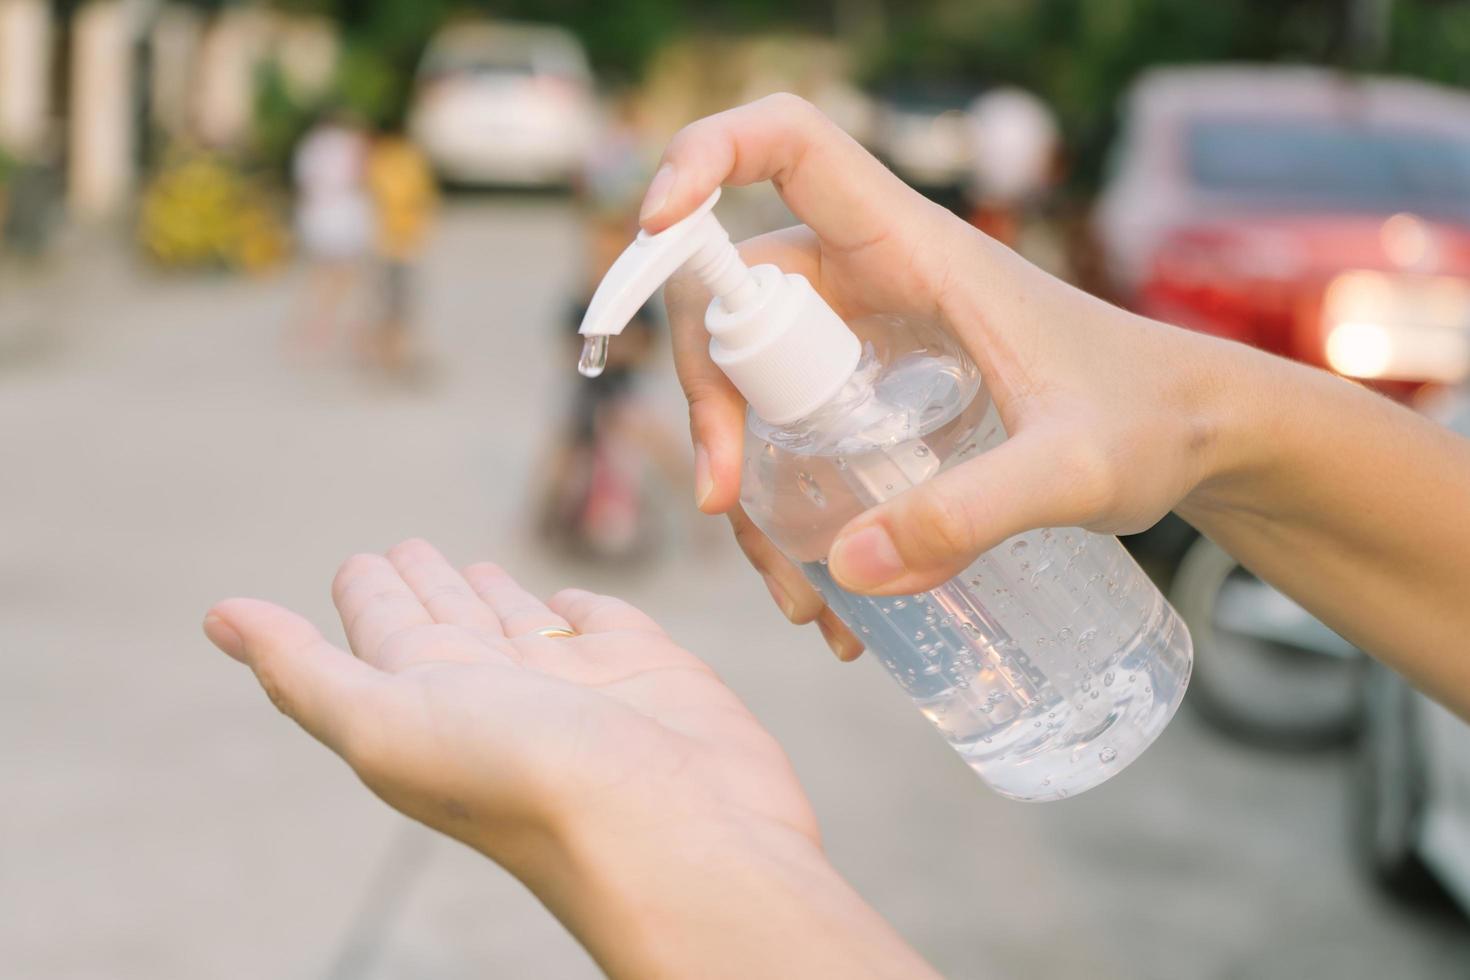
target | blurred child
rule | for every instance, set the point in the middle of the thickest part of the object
(404, 196)
(596, 497)
(333, 220)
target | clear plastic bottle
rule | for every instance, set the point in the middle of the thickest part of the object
(1052, 661)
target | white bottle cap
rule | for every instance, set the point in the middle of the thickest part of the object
(777, 340)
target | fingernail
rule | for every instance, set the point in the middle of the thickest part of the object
(658, 192)
(223, 635)
(842, 644)
(779, 595)
(704, 484)
(866, 559)
(848, 648)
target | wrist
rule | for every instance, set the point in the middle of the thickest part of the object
(638, 901)
(716, 898)
(1240, 439)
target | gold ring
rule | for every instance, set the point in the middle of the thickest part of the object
(555, 632)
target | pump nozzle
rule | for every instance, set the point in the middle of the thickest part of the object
(698, 238)
(772, 335)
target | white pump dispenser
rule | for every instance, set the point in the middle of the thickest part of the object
(778, 341)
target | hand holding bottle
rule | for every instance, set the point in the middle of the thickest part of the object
(1089, 445)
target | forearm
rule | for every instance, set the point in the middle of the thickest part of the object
(736, 904)
(1354, 506)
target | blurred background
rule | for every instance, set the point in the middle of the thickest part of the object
(281, 281)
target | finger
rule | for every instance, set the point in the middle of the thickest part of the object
(440, 587)
(327, 691)
(789, 588)
(928, 534)
(588, 612)
(827, 179)
(375, 604)
(716, 408)
(518, 610)
(840, 639)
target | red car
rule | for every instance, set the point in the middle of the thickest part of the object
(1321, 217)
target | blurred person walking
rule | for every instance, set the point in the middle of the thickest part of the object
(404, 198)
(597, 496)
(1015, 148)
(334, 221)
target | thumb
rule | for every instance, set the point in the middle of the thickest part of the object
(930, 533)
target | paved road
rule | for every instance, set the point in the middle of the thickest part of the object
(159, 819)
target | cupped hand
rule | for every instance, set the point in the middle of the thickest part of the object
(1109, 414)
(453, 709)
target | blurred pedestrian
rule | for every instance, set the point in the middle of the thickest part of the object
(404, 198)
(611, 184)
(1015, 154)
(333, 220)
(596, 498)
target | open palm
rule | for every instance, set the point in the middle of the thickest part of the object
(453, 708)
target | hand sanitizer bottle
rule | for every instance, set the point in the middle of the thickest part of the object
(1050, 663)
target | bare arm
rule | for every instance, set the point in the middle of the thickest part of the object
(1353, 505)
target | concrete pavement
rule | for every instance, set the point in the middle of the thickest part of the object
(160, 820)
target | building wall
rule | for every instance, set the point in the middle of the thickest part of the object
(25, 77)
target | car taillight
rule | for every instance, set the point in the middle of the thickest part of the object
(1381, 326)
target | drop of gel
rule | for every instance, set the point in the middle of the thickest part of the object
(594, 357)
(1107, 754)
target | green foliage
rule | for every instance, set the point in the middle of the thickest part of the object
(1431, 40)
(1078, 54)
(620, 35)
(1081, 54)
(279, 119)
(369, 85)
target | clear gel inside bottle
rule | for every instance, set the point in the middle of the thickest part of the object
(1051, 662)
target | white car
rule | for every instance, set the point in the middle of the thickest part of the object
(504, 104)
(1412, 797)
